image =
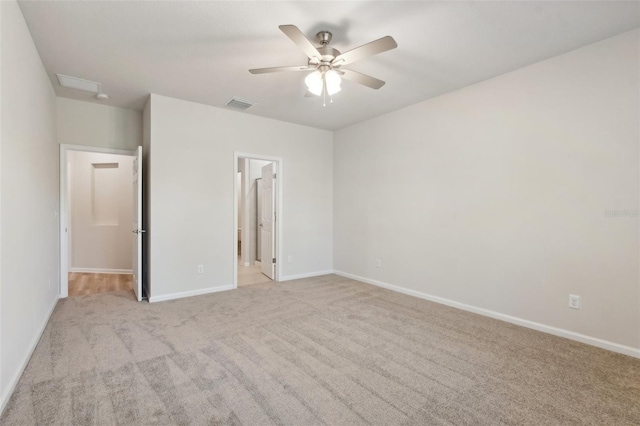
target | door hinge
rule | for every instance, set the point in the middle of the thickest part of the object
(274, 175)
(274, 260)
(275, 216)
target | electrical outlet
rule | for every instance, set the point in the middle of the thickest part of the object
(574, 301)
(289, 258)
(378, 263)
(200, 269)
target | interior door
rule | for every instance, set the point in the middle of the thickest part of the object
(137, 224)
(259, 219)
(268, 221)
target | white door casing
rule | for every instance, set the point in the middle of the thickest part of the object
(137, 230)
(268, 221)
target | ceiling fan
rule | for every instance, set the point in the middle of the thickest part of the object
(325, 63)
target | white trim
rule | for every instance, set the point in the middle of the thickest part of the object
(16, 377)
(183, 294)
(593, 341)
(86, 148)
(101, 271)
(306, 275)
(64, 187)
(279, 210)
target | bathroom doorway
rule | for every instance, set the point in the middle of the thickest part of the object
(97, 213)
(257, 203)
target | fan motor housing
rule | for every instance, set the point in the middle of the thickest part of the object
(328, 54)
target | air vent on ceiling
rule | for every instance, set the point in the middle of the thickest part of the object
(82, 84)
(78, 83)
(239, 103)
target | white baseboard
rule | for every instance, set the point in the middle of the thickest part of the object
(593, 341)
(306, 275)
(101, 271)
(32, 347)
(183, 294)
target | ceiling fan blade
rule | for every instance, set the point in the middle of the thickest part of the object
(360, 78)
(378, 46)
(308, 94)
(300, 40)
(280, 69)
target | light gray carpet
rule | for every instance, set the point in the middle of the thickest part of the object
(324, 350)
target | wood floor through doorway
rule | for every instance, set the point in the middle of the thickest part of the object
(81, 283)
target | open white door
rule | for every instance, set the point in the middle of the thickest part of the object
(259, 218)
(137, 224)
(268, 221)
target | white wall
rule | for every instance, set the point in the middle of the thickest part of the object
(86, 123)
(191, 187)
(100, 243)
(494, 196)
(29, 198)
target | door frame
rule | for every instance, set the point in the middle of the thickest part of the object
(64, 206)
(278, 209)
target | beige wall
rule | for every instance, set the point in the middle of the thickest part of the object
(86, 123)
(494, 196)
(28, 197)
(191, 188)
(101, 212)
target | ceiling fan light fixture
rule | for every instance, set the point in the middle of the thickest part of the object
(314, 83)
(326, 62)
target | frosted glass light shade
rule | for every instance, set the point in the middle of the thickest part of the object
(332, 80)
(314, 82)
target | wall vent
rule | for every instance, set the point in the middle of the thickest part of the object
(239, 103)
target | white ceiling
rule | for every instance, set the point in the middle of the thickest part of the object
(201, 51)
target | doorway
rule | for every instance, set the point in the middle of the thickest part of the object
(99, 202)
(257, 230)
